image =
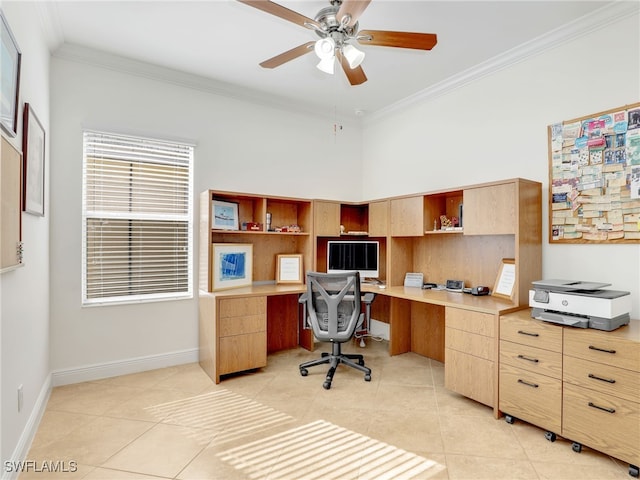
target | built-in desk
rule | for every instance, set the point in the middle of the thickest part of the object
(238, 327)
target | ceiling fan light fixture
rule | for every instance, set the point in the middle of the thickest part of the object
(327, 65)
(325, 48)
(353, 55)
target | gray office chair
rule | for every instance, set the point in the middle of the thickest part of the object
(334, 312)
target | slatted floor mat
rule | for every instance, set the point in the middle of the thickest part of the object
(321, 450)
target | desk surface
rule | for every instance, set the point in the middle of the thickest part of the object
(483, 304)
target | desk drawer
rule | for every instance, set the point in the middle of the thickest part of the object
(603, 422)
(242, 352)
(531, 359)
(602, 378)
(602, 347)
(472, 322)
(531, 397)
(240, 307)
(531, 332)
(241, 325)
(472, 344)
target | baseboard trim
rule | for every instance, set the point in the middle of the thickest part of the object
(122, 367)
(11, 469)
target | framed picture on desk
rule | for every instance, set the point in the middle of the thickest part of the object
(232, 265)
(289, 269)
(506, 279)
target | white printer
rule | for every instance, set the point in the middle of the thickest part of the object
(579, 304)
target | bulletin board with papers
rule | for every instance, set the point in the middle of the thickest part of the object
(594, 178)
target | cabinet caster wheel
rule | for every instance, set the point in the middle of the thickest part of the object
(633, 471)
(576, 447)
(304, 372)
(550, 436)
(326, 385)
(367, 378)
(509, 419)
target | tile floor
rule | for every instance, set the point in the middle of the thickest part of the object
(175, 423)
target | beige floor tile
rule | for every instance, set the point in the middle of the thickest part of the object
(110, 474)
(91, 398)
(142, 379)
(164, 450)
(480, 436)
(189, 378)
(93, 443)
(405, 429)
(143, 405)
(466, 467)
(603, 470)
(55, 425)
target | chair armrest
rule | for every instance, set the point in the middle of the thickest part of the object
(302, 298)
(369, 298)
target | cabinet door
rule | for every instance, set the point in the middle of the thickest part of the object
(378, 218)
(326, 219)
(407, 217)
(490, 210)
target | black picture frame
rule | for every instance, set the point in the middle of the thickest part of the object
(10, 88)
(33, 155)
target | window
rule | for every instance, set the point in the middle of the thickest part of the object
(136, 226)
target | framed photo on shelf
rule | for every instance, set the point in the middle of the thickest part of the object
(225, 215)
(33, 144)
(289, 268)
(232, 265)
(10, 74)
(506, 279)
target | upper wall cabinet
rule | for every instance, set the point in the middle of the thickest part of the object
(379, 218)
(407, 217)
(490, 210)
(326, 218)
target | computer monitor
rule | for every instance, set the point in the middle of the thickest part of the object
(352, 255)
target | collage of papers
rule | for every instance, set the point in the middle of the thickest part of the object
(595, 177)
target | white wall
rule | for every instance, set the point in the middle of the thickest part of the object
(24, 292)
(495, 128)
(240, 147)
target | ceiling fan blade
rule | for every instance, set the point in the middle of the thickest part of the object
(353, 8)
(356, 75)
(282, 12)
(288, 55)
(384, 38)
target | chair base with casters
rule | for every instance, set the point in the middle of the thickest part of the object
(335, 358)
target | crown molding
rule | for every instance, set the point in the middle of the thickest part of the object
(614, 12)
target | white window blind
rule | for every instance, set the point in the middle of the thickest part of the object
(137, 240)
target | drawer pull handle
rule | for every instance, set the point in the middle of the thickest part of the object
(528, 384)
(608, 380)
(591, 347)
(524, 357)
(522, 332)
(605, 409)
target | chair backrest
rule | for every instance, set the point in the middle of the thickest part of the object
(333, 305)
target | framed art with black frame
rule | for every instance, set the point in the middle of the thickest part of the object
(33, 145)
(10, 75)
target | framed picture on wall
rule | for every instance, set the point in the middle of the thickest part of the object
(33, 144)
(10, 74)
(232, 265)
(225, 215)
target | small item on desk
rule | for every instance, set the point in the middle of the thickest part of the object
(429, 285)
(455, 285)
(480, 290)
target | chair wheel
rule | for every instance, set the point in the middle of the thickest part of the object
(361, 362)
(326, 385)
(304, 372)
(367, 378)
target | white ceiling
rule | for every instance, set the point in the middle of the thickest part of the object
(223, 41)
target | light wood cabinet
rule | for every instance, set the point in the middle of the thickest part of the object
(582, 383)
(379, 218)
(407, 216)
(602, 391)
(530, 373)
(326, 218)
(491, 210)
(470, 354)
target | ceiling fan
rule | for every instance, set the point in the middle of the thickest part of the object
(337, 27)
